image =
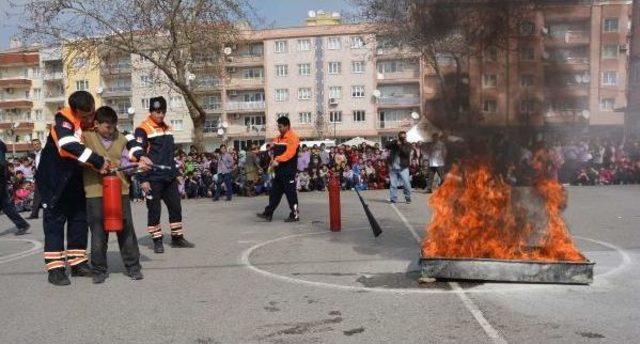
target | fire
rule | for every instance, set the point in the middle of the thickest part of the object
(478, 215)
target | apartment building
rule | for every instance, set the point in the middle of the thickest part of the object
(567, 69)
(633, 107)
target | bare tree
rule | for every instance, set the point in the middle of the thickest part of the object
(177, 37)
(447, 34)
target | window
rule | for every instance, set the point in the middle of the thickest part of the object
(357, 42)
(526, 80)
(304, 45)
(252, 73)
(281, 47)
(610, 51)
(282, 95)
(282, 114)
(37, 93)
(491, 54)
(527, 53)
(304, 69)
(390, 66)
(335, 116)
(253, 97)
(282, 70)
(335, 67)
(609, 78)
(527, 28)
(490, 106)
(357, 91)
(304, 93)
(335, 43)
(36, 72)
(527, 106)
(82, 85)
(37, 115)
(305, 117)
(177, 124)
(335, 92)
(489, 80)
(357, 67)
(358, 116)
(145, 80)
(611, 25)
(607, 104)
(79, 62)
(212, 102)
(174, 101)
(145, 103)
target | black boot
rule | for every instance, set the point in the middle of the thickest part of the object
(135, 274)
(58, 276)
(181, 242)
(23, 230)
(99, 277)
(293, 217)
(157, 246)
(265, 216)
(81, 270)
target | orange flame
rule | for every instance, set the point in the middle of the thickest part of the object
(478, 215)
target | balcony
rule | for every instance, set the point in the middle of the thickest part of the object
(54, 97)
(251, 106)
(568, 37)
(399, 100)
(15, 104)
(245, 84)
(207, 86)
(252, 130)
(15, 82)
(115, 69)
(53, 75)
(245, 60)
(563, 116)
(386, 53)
(394, 124)
(212, 107)
(117, 91)
(405, 76)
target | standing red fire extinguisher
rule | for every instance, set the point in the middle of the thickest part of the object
(334, 202)
(112, 203)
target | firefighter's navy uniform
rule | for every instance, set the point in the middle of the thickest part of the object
(285, 149)
(59, 178)
(157, 142)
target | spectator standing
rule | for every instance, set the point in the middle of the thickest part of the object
(37, 201)
(398, 161)
(225, 167)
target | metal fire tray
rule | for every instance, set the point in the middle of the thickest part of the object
(496, 270)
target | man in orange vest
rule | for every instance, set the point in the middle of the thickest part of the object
(59, 179)
(156, 139)
(285, 166)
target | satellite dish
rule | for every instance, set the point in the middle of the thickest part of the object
(377, 93)
(191, 76)
(586, 78)
(415, 115)
(312, 14)
(578, 78)
(545, 30)
(586, 114)
(220, 132)
(335, 14)
(219, 125)
(380, 76)
(131, 110)
(100, 90)
(227, 51)
(225, 124)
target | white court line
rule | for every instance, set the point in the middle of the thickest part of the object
(37, 247)
(626, 258)
(471, 307)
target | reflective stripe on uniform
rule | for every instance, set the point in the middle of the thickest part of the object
(86, 154)
(177, 232)
(175, 225)
(132, 151)
(76, 253)
(129, 137)
(54, 265)
(76, 261)
(54, 255)
(68, 139)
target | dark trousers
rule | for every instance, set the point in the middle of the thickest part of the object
(167, 191)
(127, 239)
(37, 202)
(10, 209)
(226, 179)
(431, 172)
(70, 210)
(283, 184)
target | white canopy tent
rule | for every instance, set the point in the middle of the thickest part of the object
(357, 141)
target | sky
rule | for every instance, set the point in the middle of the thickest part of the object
(277, 13)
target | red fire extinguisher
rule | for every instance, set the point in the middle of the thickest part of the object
(334, 203)
(112, 203)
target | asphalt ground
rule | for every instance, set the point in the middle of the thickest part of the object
(253, 282)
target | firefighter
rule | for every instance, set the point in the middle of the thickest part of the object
(59, 179)
(156, 138)
(285, 165)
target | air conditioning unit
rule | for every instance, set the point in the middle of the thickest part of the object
(9, 90)
(236, 116)
(333, 101)
(233, 93)
(623, 48)
(232, 69)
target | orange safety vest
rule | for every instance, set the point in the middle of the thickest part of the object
(153, 129)
(77, 126)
